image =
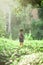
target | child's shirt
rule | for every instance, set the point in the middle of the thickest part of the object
(21, 37)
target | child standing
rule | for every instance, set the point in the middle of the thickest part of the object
(21, 37)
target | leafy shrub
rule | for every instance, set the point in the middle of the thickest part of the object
(37, 29)
(28, 36)
(11, 52)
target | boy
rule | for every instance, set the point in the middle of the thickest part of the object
(21, 37)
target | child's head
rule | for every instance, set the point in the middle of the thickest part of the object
(21, 30)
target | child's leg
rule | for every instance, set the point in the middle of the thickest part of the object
(21, 43)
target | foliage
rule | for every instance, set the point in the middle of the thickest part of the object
(36, 59)
(37, 29)
(11, 52)
(33, 2)
(42, 3)
(28, 36)
(40, 12)
(20, 17)
(2, 24)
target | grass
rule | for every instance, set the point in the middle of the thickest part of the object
(11, 51)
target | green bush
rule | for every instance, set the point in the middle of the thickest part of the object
(37, 29)
(28, 36)
(11, 52)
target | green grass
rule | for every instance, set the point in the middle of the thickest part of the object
(11, 50)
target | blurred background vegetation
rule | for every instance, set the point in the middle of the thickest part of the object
(16, 14)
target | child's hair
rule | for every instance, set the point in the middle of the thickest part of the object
(21, 30)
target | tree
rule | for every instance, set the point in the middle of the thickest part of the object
(6, 6)
(33, 2)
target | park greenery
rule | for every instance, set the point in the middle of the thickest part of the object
(28, 15)
(11, 52)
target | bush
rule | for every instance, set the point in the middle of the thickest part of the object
(37, 29)
(28, 36)
(11, 52)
